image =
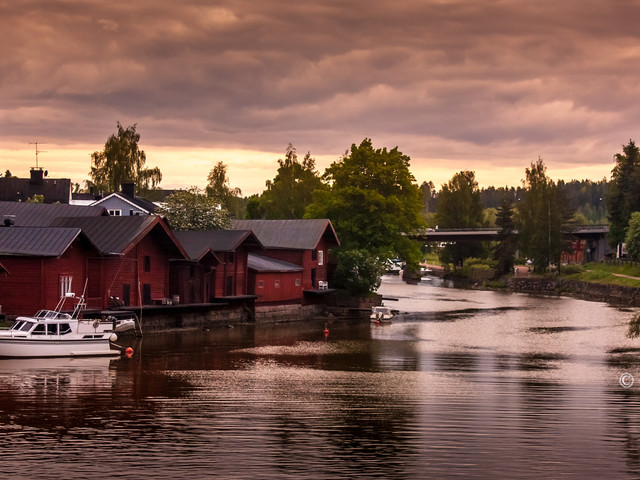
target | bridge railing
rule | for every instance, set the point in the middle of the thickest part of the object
(425, 231)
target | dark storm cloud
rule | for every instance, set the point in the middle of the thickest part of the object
(323, 74)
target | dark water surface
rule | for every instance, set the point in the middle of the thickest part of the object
(471, 384)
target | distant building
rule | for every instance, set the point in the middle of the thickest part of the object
(125, 203)
(53, 190)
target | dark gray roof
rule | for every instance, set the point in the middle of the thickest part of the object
(259, 263)
(292, 234)
(43, 214)
(35, 241)
(198, 242)
(116, 235)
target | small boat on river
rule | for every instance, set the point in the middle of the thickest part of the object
(53, 333)
(381, 314)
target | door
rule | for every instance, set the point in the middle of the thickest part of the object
(146, 294)
(126, 294)
(229, 286)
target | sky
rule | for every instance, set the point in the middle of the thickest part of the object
(488, 86)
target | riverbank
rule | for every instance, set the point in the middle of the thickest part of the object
(610, 289)
(613, 294)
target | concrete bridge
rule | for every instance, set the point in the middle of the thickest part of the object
(594, 236)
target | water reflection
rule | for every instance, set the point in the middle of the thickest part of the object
(467, 383)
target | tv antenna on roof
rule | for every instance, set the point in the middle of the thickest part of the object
(37, 151)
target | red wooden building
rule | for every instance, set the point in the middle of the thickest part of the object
(40, 265)
(274, 281)
(301, 242)
(133, 264)
(217, 267)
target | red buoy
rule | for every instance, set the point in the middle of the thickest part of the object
(326, 332)
(129, 351)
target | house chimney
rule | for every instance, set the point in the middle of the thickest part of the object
(128, 188)
(37, 176)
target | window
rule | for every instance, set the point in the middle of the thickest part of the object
(277, 285)
(229, 257)
(65, 328)
(260, 283)
(65, 284)
(39, 330)
(297, 282)
(314, 254)
(115, 212)
(52, 329)
(147, 263)
(320, 257)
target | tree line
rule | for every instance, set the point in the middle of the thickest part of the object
(374, 201)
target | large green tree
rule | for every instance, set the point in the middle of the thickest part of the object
(122, 161)
(218, 188)
(430, 201)
(459, 206)
(506, 244)
(543, 219)
(632, 237)
(193, 210)
(372, 201)
(291, 191)
(623, 195)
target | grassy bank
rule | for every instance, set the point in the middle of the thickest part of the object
(627, 275)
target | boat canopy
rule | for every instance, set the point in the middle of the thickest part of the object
(52, 315)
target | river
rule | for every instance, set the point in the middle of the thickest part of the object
(464, 383)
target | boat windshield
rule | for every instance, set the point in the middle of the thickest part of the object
(51, 314)
(381, 309)
(17, 325)
(26, 327)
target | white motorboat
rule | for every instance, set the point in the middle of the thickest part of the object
(381, 314)
(52, 333)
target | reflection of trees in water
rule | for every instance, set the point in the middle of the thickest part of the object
(355, 426)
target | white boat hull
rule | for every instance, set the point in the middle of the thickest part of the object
(18, 347)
